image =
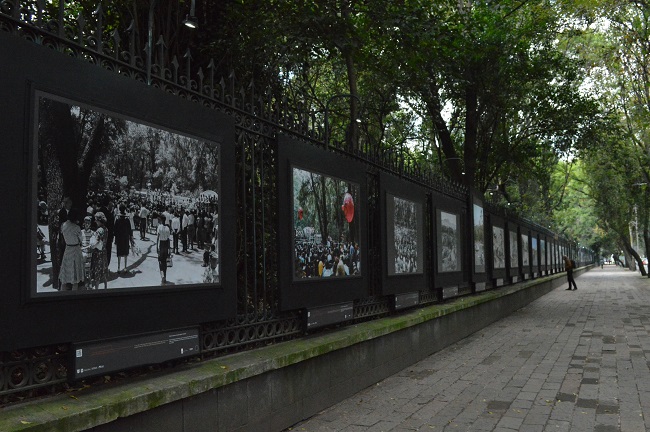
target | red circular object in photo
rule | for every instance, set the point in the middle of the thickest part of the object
(348, 207)
(300, 213)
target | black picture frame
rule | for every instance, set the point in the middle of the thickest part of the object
(315, 290)
(477, 242)
(480, 256)
(525, 245)
(534, 253)
(543, 254)
(450, 259)
(499, 249)
(145, 178)
(400, 275)
(113, 313)
(513, 251)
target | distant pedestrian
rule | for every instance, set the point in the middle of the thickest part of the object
(99, 260)
(72, 262)
(176, 231)
(123, 238)
(109, 226)
(143, 214)
(162, 247)
(569, 265)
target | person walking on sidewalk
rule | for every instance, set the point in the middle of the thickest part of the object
(569, 265)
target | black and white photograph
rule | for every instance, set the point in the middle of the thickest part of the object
(514, 250)
(525, 251)
(405, 236)
(326, 226)
(479, 240)
(121, 204)
(449, 242)
(533, 246)
(498, 247)
(542, 252)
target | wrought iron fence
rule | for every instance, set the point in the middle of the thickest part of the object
(260, 117)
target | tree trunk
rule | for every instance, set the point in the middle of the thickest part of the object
(452, 163)
(352, 136)
(471, 131)
(636, 259)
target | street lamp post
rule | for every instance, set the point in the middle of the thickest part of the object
(327, 104)
(190, 19)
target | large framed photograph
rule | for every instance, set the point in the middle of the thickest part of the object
(405, 236)
(83, 148)
(498, 247)
(402, 221)
(122, 204)
(525, 252)
(326, 228)
(542, 253)
(514, 248)
(449, 242)
(322, 227)
(479, 238)
(534, 249)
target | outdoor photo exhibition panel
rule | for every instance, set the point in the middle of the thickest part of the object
(513, 253)
(449, 219)
(525, 252)
(543, 254)
(478, 243)
(103, 180)
(550, 254)
(402, 220)
(498, 243)
(534, 253)
(322, 228)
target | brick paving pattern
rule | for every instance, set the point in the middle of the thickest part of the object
(570, 361)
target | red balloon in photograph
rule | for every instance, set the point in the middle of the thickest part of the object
(348, 207)
(300, 213)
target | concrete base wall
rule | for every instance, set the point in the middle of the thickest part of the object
(278, 399)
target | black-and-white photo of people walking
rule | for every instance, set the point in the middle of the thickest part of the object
(117, 176)
(404, 232)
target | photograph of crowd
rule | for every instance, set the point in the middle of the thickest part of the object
(542, 252)
(479, 240)
(449, 242)
(121, 204)
(325, 225)
(404, 236)
(533, 247)
(514, 250)
(498, 247)
(525, 261)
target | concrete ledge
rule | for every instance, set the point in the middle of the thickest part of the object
(271, 388)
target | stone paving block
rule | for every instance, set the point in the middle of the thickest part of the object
(382, 426)
(563, 411)
(632, 424)
(558, 426)
(535, 419)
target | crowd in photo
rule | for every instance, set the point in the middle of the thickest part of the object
(314, 260)
(406, 250)
(87, 239)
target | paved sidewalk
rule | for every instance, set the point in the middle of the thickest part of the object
(570, 361)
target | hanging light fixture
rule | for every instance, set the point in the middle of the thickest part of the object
(190, 19)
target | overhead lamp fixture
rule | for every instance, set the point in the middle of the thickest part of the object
(190, 19)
